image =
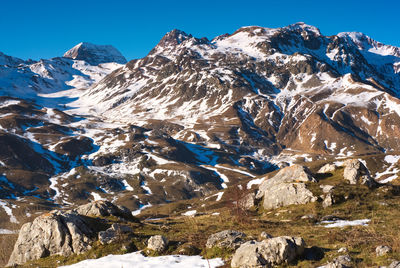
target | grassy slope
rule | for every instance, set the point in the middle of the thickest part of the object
(381, 205)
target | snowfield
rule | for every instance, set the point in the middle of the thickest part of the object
(137, 260)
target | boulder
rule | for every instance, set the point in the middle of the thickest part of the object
(284, 194)
(343, 261)
(327, 188)
(111, 234)
(328, 200)
(248, 201)
(226, 239)
(103, 208)
(357, 173)
(62, 233)
(327, 168)
(269, 252)
(382, 250)
(157, 243)
(394, 264)
(287, 187)
(265, 235)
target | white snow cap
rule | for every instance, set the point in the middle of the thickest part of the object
(95, 54)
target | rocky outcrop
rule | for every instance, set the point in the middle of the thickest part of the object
(357, 173)
(226, 239)
(287, 187)
(62, 233)
(157, 243)
(103, 208)
(269, 252)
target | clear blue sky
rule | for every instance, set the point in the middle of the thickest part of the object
(47, 28)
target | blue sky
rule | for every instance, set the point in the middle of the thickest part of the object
(47, 28)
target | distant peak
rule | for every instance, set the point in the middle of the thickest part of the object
(303, 27)
(174, 37)
(95, 54)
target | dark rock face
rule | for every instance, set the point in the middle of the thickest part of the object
(75, 147)
(17, 153)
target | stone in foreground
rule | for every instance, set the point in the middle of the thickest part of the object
(226, 239)
(268, 253)
(61, 233)
(157, 243)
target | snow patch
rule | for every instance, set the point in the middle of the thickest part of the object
(137, 260)
(343, 223)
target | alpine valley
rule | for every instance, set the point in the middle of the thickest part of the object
(196, 121)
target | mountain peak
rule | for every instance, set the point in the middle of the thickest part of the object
(95, 54)
(174, 37)
(301, 26)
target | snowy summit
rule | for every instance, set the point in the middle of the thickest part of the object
(95, 54)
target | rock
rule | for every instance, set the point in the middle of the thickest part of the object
(157, 243)
(107, 237)
(265, 235)
(356, 173)
(121, 228)
(62, 233)
(308, 217)
(327, 188)
(188, 249)
(285, 194)
(269, 252)
(327, 168)
(112, 234)
(394, 264)
(248, 201)
(104, 208)
(328, 200)
(382, 250)
(226, 239)
(343, 250)
(287, 187)
(343, 261)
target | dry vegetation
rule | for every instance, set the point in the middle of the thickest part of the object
(188, 235)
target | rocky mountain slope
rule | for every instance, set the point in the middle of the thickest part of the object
(193, 117)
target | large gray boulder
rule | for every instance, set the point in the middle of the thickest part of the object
(248, 201)
(226, 239)
(103, 208)
(287, 187)
(327, 168)
(269, 252)
(61, 233)
(157, 243)
(357, 173)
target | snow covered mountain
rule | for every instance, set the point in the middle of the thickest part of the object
(193, 116)
(95, 54)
